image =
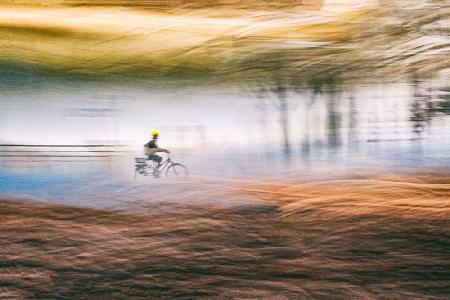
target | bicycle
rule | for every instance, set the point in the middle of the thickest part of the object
(173, 170)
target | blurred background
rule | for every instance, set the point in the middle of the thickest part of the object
(259, 89)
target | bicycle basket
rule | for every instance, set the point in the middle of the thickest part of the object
(140, 160)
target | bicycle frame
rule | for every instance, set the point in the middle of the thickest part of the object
(146, 167)
(164, 165)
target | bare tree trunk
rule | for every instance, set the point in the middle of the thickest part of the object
(284, 119)
(284, 116)
(334, 122)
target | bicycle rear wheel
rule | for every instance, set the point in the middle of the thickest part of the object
(176, 171)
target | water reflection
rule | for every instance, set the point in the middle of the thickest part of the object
(280, 122)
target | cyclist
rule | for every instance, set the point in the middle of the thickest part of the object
(151, 148)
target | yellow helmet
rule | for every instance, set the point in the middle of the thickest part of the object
(155, 132)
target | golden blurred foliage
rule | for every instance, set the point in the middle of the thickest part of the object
(197, 40)
(170, 5)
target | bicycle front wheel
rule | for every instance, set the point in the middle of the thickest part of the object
(176, 171)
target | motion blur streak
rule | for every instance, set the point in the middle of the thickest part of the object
(363, 41)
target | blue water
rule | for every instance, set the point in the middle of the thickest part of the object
(217, 134)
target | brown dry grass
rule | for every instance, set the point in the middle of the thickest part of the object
(364, 237)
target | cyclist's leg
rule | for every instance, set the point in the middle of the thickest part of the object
(156, 158)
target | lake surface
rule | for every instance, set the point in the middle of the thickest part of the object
(75, 142)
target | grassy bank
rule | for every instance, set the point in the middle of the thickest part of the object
(362, 237)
